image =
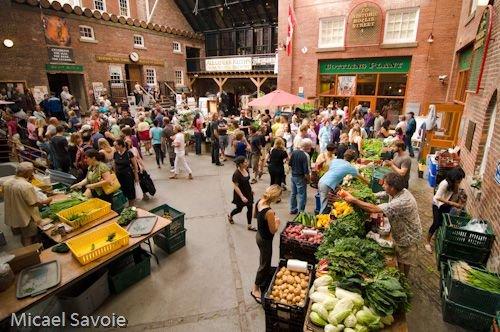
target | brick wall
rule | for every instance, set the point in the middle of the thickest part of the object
(26, 60)
(428, 60)
(479, 108)
(112, 7)
(167, 12)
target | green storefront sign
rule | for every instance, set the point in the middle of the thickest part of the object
(62, 67)
(365, 65)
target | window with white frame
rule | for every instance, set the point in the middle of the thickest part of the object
(86, 32)
(179, 77)
(150, 76)
(124, 8)
(331, 32)
(138, 41)
(100, 5)
(177, 47)
(115, 75)
(401, 26)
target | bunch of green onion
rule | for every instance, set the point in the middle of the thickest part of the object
(480, 279)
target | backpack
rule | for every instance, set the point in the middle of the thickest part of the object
(208, 132)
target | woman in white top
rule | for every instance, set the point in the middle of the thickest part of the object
(180, 153)
(444, 200)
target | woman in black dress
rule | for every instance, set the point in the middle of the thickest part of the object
(242, 194)
(268, 223)
(126, 170)
(277, 158)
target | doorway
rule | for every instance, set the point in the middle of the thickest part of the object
(133, 74)
(74, 82)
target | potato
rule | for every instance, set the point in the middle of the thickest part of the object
(271, 297)
(304, 284)
(279, 275)
(294, 273)
(291, 279)
(283, 301)
(306, 278)
(297, 291)
(302, 296)
(303, 291)
(297, 279)
(289, 297)
(291, 288)
(278, 282)
(296, 299)
(301, 303)
(287, 273)
(286, 291)
(301, 275)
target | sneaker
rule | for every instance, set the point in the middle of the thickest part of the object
(219, 164)
(172, 170)
(294, 212)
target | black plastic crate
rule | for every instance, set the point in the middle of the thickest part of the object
(283, 317)
(172, 243)
(468, 295)
(293, 249)
(131, 273)
(177, 218)
(446, 250)
(459, 236)
(464, 316)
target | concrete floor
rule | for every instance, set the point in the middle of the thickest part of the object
(205, 286)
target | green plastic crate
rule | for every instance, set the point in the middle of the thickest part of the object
(464, 237)
(119, 202)
(170, 244)
(177, 224)
(446, 250)
(468, 295)
(378, 175)
(128, 275)
(464, 316)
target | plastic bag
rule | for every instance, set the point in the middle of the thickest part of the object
(476, 225)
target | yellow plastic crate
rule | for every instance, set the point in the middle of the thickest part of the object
(94, 244)
(91, 210)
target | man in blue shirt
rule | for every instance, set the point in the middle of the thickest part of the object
(411, 127)
(54, 108)
(300, 167)
(339, 168)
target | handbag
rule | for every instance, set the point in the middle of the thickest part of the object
(146, 184)
(110, 188)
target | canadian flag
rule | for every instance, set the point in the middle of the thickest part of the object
(291, 25)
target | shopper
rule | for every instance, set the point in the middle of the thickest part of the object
(300, 168)
(143, 134)
(180, 154)
(107, 151)
(401, 163)
(445, 198)
(324, 159)
(168, 133)
(244, 122)
(197, 127)
(378, 122)
(255, 153)
(98, 174)
(356, 141)
(222, 128)
(325, 134)
(59, 145)
(384, 130)
(242, 192)
(411, 127)
(21, 203)
(156, 134)
(402, 212)
(301, 135)
(126, 170)
(240, 144)
(276, 162)
(268, 224)
(213, 133)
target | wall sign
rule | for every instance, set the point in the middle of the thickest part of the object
(263, 63)
(71, 68)
(346, 85)
(480, 50)
(60, 54)
(56, 31)
(366, 65)
(127, 60)
(364, 25)
(229, 64)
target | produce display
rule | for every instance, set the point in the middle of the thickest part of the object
(128, 214)
(302, 234)
(323, 221)
(367, 172)
(359, 189)
(466, 274)
(75, 199)
(290, 288)
(372, 148)
(306, 219)
(341, 209)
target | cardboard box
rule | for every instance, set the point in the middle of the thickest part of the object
(25, 257)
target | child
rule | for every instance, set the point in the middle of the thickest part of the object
(240, 144)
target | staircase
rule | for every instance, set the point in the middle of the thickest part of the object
(167, 99)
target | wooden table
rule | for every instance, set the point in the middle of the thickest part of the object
(72, 270)
(58, 238)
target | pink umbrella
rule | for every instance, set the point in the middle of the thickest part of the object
(278, 98)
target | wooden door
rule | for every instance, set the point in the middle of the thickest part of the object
(134, 74)
(445, 134)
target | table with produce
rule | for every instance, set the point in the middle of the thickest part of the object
(354, 283)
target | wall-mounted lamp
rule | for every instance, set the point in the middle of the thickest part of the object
(443, 79)
(430, 39)
(8, 43)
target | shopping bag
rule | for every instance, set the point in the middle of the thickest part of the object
(110, 188)
(147, 185)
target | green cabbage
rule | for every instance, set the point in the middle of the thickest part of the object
(350, 321)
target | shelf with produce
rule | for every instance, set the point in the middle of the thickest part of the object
(300, 242)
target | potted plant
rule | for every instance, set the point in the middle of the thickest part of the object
(421, 168)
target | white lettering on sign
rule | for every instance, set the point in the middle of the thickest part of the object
(228, 64)
(365, 18)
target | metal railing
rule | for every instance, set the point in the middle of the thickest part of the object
(258, 62)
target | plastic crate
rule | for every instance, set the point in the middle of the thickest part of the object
(378, 175)
(170, 244)
(177, 224)
(446, 250)
(464, 316)
(131, 273)
(465, 237)
(293, 249)
(94, 244)
(91, 210)
(468, 295)
(86, 295)
(431, 179)
(119, 201)
(282, 317)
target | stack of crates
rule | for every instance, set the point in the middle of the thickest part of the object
(174, 236)
(462, 304)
